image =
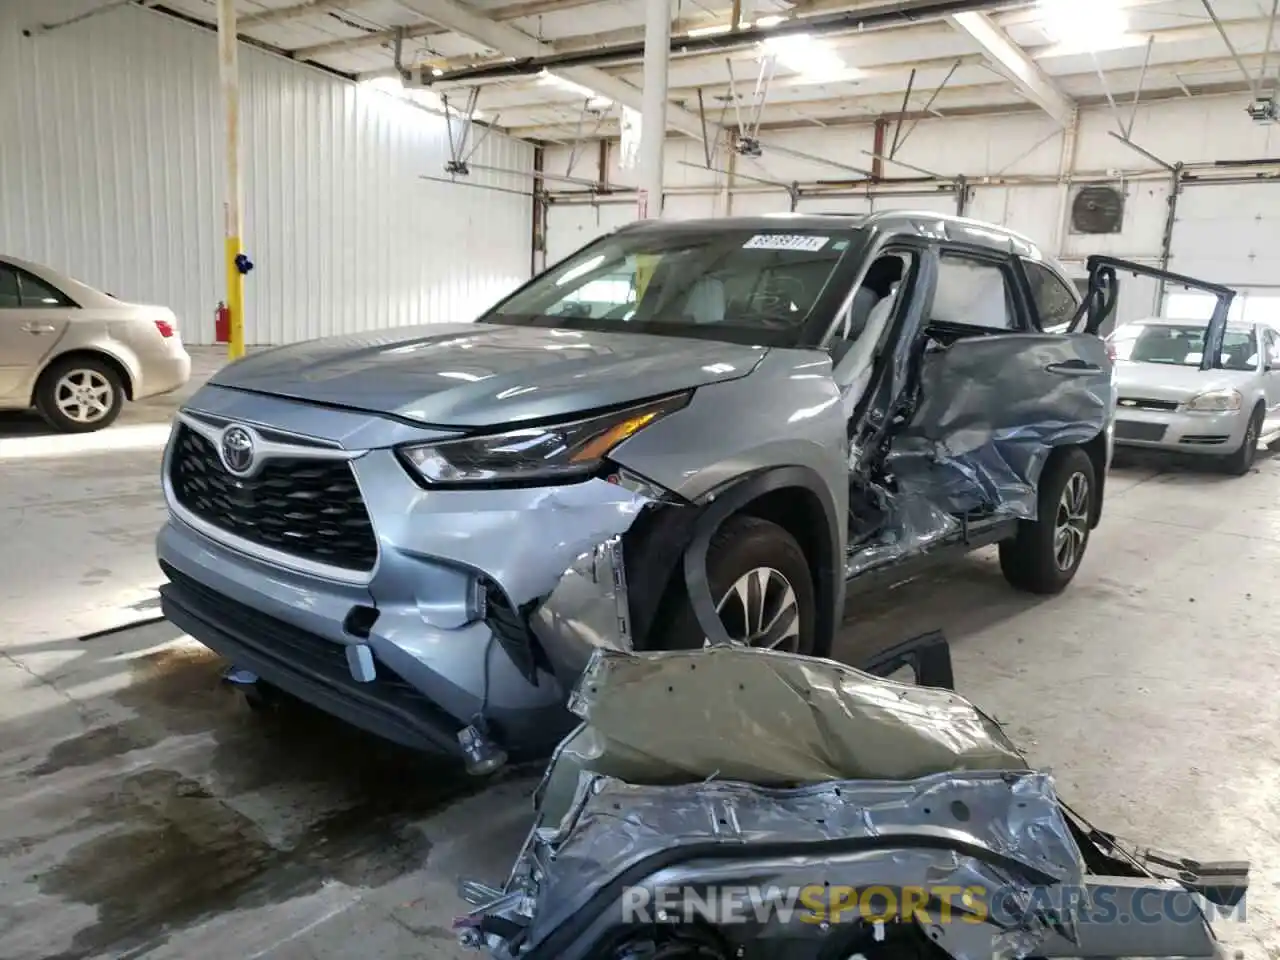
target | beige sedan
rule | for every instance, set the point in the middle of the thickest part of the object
(76, 354)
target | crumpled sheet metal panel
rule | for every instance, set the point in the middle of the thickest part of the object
(989, 415)
(995, 830)
(587, 610)
(762, 717)
(915, 523)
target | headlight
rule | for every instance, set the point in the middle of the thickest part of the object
(1216, 401)
(562, 451)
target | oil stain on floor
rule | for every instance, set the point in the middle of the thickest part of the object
(165, 850)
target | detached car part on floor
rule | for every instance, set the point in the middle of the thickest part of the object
(76, 354)
(849, 815)
(698, 432)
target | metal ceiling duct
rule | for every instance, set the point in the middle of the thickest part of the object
(878, 17)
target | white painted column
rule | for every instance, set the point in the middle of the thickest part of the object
(653, 116)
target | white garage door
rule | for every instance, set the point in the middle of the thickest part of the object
(834, 205)
(932, 203)
(571, 226)
(1228, 234)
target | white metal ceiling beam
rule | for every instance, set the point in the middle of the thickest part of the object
(520, 121)
(1036, 85)
(295, 12)
(513, 43)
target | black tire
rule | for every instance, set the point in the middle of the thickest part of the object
(97, 376)
(1031, 561)
(741, 545)
(1241, 462)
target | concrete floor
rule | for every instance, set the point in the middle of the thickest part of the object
(144, 811)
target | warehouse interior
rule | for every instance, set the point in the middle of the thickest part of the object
(278, 171)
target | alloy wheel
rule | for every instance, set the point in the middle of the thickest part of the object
(761, 610)
(84, 396)
(1071, 525)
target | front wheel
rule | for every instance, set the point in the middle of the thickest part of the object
(1046, 553)
(763, 590)
(1240, 462)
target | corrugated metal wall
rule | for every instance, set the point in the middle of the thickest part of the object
(111, 169)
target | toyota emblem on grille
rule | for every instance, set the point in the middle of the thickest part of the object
(237, 450)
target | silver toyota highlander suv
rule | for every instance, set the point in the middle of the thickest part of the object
(686, 433)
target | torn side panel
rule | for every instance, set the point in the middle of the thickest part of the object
(989, 831)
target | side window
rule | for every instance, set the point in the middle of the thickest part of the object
(34, 292)
(1271, 341)
(1055, 303)
(8, 287)
(973, 293)
(877, 294)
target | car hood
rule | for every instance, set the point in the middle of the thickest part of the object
(481, 375)
(1166, 381)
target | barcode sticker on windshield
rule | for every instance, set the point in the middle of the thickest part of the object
(785, 241)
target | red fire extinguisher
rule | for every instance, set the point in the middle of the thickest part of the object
(222, 323)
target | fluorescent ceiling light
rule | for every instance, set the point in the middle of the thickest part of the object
(710, 31)
(394, 86)
(806, 56)
(555, 80)
(1086, 25)
(769, 21)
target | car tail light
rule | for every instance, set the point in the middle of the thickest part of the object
(1111, 350)
(165, 328)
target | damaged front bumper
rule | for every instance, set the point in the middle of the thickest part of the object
(774, 806)
(482, 603)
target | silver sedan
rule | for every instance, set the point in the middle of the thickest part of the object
(1170, 399)
(76, 354)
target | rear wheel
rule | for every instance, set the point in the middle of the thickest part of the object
(79, 395)
(1046, 553)
(1240, 462)
(763, 590)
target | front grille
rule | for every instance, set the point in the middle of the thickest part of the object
(1136, 430)
(1145, 403)
(310, 509)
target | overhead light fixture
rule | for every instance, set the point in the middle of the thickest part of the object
(709, 31)
(394, 86)
(812, 59)
(1085, 25)
(769, 21)
(595, 101)
(437, 72)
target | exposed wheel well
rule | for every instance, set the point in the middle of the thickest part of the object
(796, 509)
(104, 358)
(800, 513)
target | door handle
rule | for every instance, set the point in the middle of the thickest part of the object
(1076, 367)
(38, 328)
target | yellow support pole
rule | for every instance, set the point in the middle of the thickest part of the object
(230, 74)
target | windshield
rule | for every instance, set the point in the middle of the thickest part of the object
(1183, 346)
(736, 284)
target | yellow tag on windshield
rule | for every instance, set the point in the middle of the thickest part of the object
(646, 264)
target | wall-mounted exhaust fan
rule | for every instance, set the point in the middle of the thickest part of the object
(1097, 209)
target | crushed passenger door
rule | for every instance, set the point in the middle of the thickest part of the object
(991, 409)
